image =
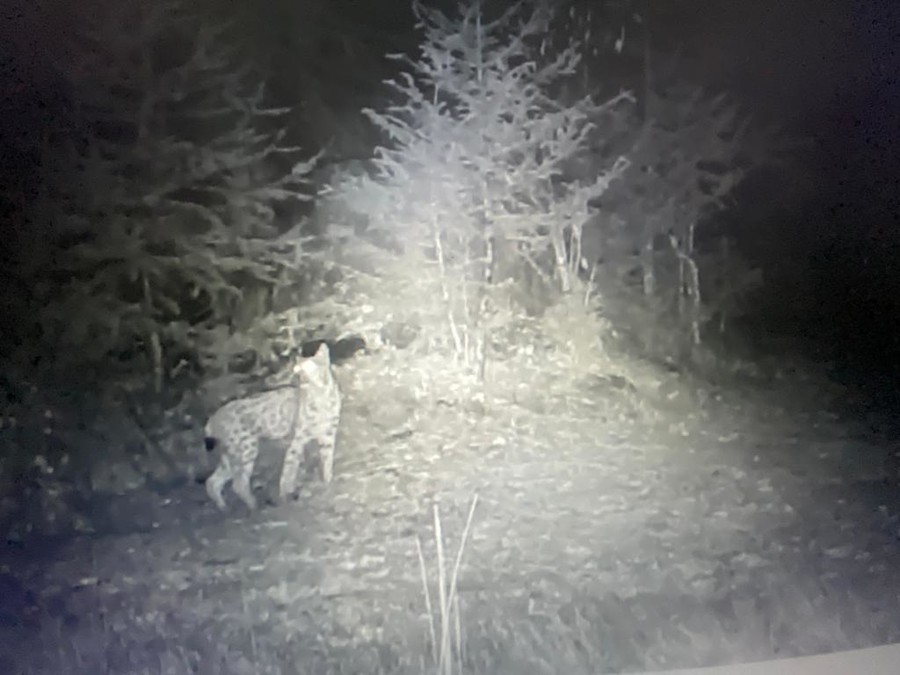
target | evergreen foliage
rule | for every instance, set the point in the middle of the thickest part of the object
(160, 217)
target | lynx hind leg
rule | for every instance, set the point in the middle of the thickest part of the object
(293, 458)
(217, 481)
(243, 488)
(245, 452)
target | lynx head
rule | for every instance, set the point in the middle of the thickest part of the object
(314, 368)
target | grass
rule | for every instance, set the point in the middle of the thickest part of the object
(143, 634)
(576, 640)
(448, 614)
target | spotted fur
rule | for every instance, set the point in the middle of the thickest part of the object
(307, 410)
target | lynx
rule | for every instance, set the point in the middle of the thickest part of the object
(306, 410)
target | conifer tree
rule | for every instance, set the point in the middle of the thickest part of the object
(159, 216)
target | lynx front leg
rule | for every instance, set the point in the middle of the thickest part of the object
(293, 458)
(326, 456)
